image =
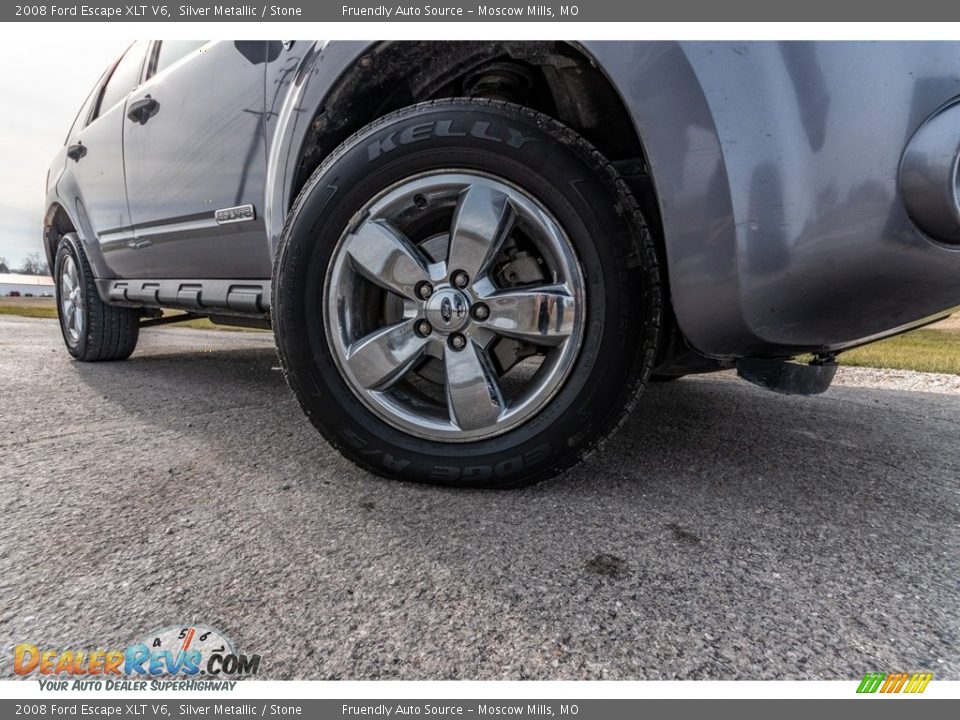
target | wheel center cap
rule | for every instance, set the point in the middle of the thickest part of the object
(448, 309)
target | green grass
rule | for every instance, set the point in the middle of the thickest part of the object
(924, 350)
(38, 308)
(204, 324)
(31, 311)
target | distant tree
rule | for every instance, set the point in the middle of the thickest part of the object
(4, 268)
(33, 264)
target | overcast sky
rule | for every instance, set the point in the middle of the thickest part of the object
(42, 90)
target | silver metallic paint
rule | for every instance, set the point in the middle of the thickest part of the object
(776, 169)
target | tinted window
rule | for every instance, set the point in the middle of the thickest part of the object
(125, 78)
(172, 50)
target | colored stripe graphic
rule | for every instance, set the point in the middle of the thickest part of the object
(871, 682)
(890, 683)
(189, 639)
(894, 682)
(918, 683)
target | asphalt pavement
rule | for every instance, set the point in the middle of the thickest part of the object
(725, 533)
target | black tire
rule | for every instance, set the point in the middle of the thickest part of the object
(108, 332)
(595, 208)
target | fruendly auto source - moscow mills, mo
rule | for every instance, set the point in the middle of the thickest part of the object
(400, 10)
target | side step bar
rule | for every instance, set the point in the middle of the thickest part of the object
(246, 297)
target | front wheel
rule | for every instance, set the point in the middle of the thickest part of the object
(466, 293)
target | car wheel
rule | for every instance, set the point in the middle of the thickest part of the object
(466, 293)
(92, 330)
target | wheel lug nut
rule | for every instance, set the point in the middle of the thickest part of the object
(424, 290)
(480, 312)
(460, 279)
(458, 341)
(422, 328)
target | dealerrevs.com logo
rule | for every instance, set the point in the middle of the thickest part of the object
(177, 658)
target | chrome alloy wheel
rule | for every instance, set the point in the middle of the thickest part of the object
(454, 306)
(71, 302)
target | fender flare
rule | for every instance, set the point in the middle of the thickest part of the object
(317, 74)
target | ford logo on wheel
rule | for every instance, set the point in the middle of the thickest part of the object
(452, 307)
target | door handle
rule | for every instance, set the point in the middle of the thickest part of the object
(77, 151)
(143, 109)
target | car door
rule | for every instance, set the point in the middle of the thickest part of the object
(194, 154)
(95, 158)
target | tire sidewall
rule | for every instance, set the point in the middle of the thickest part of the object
(561, 176)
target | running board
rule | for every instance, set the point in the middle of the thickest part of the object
(788, 378)
(245, 297)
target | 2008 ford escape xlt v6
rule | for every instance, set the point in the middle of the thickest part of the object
(474, 256)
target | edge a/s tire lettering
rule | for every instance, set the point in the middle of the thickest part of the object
(480, 472)
(375, 456)
(503, 468)
(479, 129)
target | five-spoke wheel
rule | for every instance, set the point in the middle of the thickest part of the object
(474, 281)
(71, 302)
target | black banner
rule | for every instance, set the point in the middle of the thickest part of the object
(472, 11)
(145, 709)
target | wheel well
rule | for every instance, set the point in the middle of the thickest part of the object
(556, 78)
(56, 224)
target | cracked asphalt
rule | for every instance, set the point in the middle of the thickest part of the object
(725, 533)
